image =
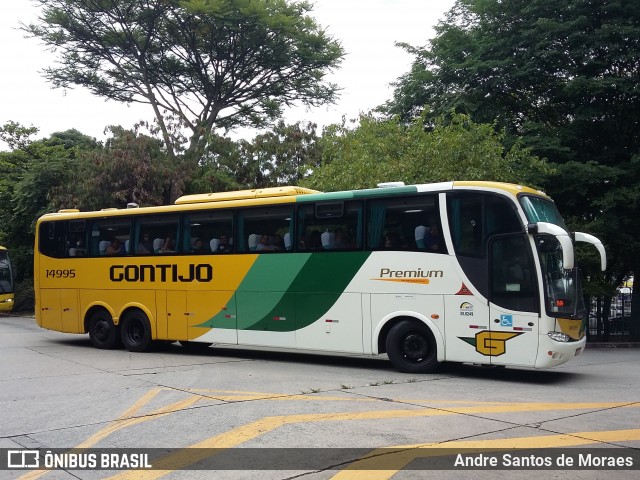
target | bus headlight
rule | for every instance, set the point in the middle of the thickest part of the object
(559, 337)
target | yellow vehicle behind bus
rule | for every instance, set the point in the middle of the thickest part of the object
(6, 281)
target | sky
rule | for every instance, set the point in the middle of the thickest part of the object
(367, 29)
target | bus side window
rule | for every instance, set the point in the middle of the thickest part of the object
(154, 234)
(109, 236)
(474, 218)
(330, 226)
(204, 232)
(405, 223)
(75, 238)
(52, 241)
(262, 230)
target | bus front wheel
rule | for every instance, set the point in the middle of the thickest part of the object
(412, 348)
(135, 332)
(102, 332)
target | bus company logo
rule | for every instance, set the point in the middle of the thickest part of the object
(466, 309)
(490, 344)
(419, 275)
(202, 272)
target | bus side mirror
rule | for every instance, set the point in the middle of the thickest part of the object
(586, 238)
(561, 235)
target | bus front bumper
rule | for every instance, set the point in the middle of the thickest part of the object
(552, 353)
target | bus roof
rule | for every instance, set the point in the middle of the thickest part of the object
(293, 194)
(244, 195)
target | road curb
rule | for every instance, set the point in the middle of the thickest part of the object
(613, 345)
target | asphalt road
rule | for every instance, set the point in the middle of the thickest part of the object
(285, 415)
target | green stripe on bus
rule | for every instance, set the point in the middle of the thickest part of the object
(319, 284)
(271, 275)
(301, 288)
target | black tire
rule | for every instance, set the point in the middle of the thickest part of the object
(135, 331)
(412, 348)
(195, 347)
(102, 332)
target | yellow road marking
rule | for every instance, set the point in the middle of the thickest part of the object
(126, 419)
(383, 464)
(197, 452)
(189, 455)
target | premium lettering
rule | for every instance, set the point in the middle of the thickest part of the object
(201, 272)
(419, 273)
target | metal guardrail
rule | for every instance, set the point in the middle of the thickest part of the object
(618, 328)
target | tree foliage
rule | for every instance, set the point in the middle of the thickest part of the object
(284, 155)
(30, 177)
(382, 150)
(563, 77)
(199, 64)
(129, 167)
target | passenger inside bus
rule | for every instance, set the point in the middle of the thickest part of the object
(199, 247)
(432, 238)
(145, 247)
(115, 247)
(314, 242)
(392, 241)
(265, 244)
(168, 246)
(79, 249)
(339, 241)
(223, 246)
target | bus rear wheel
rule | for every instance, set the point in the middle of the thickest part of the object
(102, 331)
(135, 332)
(412, 348)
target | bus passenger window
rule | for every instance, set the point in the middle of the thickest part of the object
(208, 232)
(406, 223)
(109, 236)
(156, 234)
(330, 226)
(51, 239)
(474, 218)
(264, 229)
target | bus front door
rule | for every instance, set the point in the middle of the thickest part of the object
(514, 317)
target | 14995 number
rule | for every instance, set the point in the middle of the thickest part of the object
(61, 273)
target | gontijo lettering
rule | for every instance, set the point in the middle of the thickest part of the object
(202, 272)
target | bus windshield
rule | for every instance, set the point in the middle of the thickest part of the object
(562, 288)
(538, 209)
(6, 277)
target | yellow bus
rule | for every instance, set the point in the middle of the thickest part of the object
(476, 272)
(6, 281)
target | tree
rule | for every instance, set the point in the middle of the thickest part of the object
(562, 76)
(130, 167)
(382, 150)
(30, 177)
(284, 155)
(200, 64)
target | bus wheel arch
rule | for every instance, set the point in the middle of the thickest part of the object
(410, 344)
(135, 330)
(103, 332)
